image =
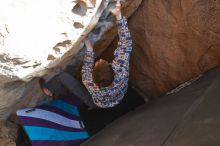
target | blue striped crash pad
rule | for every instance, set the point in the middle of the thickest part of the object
(56, 123)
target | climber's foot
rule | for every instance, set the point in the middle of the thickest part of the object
(43, 87)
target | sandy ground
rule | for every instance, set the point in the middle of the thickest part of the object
(8, 133)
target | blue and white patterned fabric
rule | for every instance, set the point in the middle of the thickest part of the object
(57, 123)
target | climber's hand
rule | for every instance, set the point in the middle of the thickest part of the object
(88, 44)
(117, 10)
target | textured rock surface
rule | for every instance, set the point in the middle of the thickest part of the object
(36, 36)
(173, 42)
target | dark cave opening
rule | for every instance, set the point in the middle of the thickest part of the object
(96, 119)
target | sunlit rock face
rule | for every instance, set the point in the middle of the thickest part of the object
(174, 40)
(36, 35)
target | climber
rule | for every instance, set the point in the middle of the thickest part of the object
(64, 80)
(108, 82)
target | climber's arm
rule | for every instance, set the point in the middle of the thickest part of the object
(123, 51)
(125, 40)
(87, 67)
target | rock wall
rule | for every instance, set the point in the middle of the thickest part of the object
(173, 42)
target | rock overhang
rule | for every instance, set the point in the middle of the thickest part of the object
(36, 36)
